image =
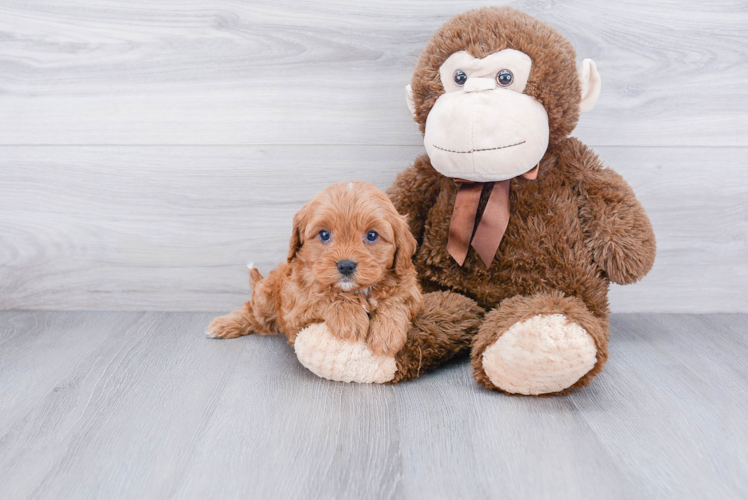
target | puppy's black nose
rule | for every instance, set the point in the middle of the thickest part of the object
(346, 267)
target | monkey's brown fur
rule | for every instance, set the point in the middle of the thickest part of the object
(572, 231)
(444, 328)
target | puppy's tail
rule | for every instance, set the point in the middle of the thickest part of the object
(254, 275)
(240, 322)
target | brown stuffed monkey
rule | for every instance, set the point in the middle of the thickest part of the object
(509, 210)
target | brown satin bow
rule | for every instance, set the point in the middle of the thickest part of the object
(492, 223)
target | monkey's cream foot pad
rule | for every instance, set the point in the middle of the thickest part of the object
(329, 357)
(541, 355)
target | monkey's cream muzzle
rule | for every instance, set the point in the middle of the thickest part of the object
(484, 133)
(485, 129)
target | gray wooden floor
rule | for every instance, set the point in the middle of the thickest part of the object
(141, 405)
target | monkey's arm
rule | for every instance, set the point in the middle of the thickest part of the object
(616, 228)
(414, 192)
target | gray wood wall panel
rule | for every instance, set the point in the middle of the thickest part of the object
(172, 228)
(149, 150)
(280, 72)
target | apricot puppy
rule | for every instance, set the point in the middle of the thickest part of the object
(349, 266)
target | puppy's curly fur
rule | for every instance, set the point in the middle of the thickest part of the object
(377, 303)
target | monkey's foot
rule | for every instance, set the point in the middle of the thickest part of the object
(329, 357)
(540, 344)
(541, 355)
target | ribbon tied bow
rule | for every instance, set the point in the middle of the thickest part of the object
(493, 222)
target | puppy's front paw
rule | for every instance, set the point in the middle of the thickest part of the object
(348, 322)
(327, 356)
(386, 335)
(388, 330)
(230, 326)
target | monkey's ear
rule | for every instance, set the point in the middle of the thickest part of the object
(589, 79)
(409, 100)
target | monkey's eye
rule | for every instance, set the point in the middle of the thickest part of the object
(460, 77)
(372, 236)
(504, 78)
(324, 236)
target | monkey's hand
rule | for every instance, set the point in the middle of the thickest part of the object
(616, 228)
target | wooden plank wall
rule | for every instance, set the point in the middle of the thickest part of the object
(149, 150)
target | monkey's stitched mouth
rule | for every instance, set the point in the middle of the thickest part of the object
(476, 150)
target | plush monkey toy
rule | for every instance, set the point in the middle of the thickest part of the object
(509, 211)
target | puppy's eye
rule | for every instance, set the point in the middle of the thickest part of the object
(504, 78)
(460, 77)
(324, 236)
(372, 236)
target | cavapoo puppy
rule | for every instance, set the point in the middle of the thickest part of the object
(349, 266)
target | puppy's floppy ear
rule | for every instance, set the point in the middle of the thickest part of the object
(405, 244)
(300, 220)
